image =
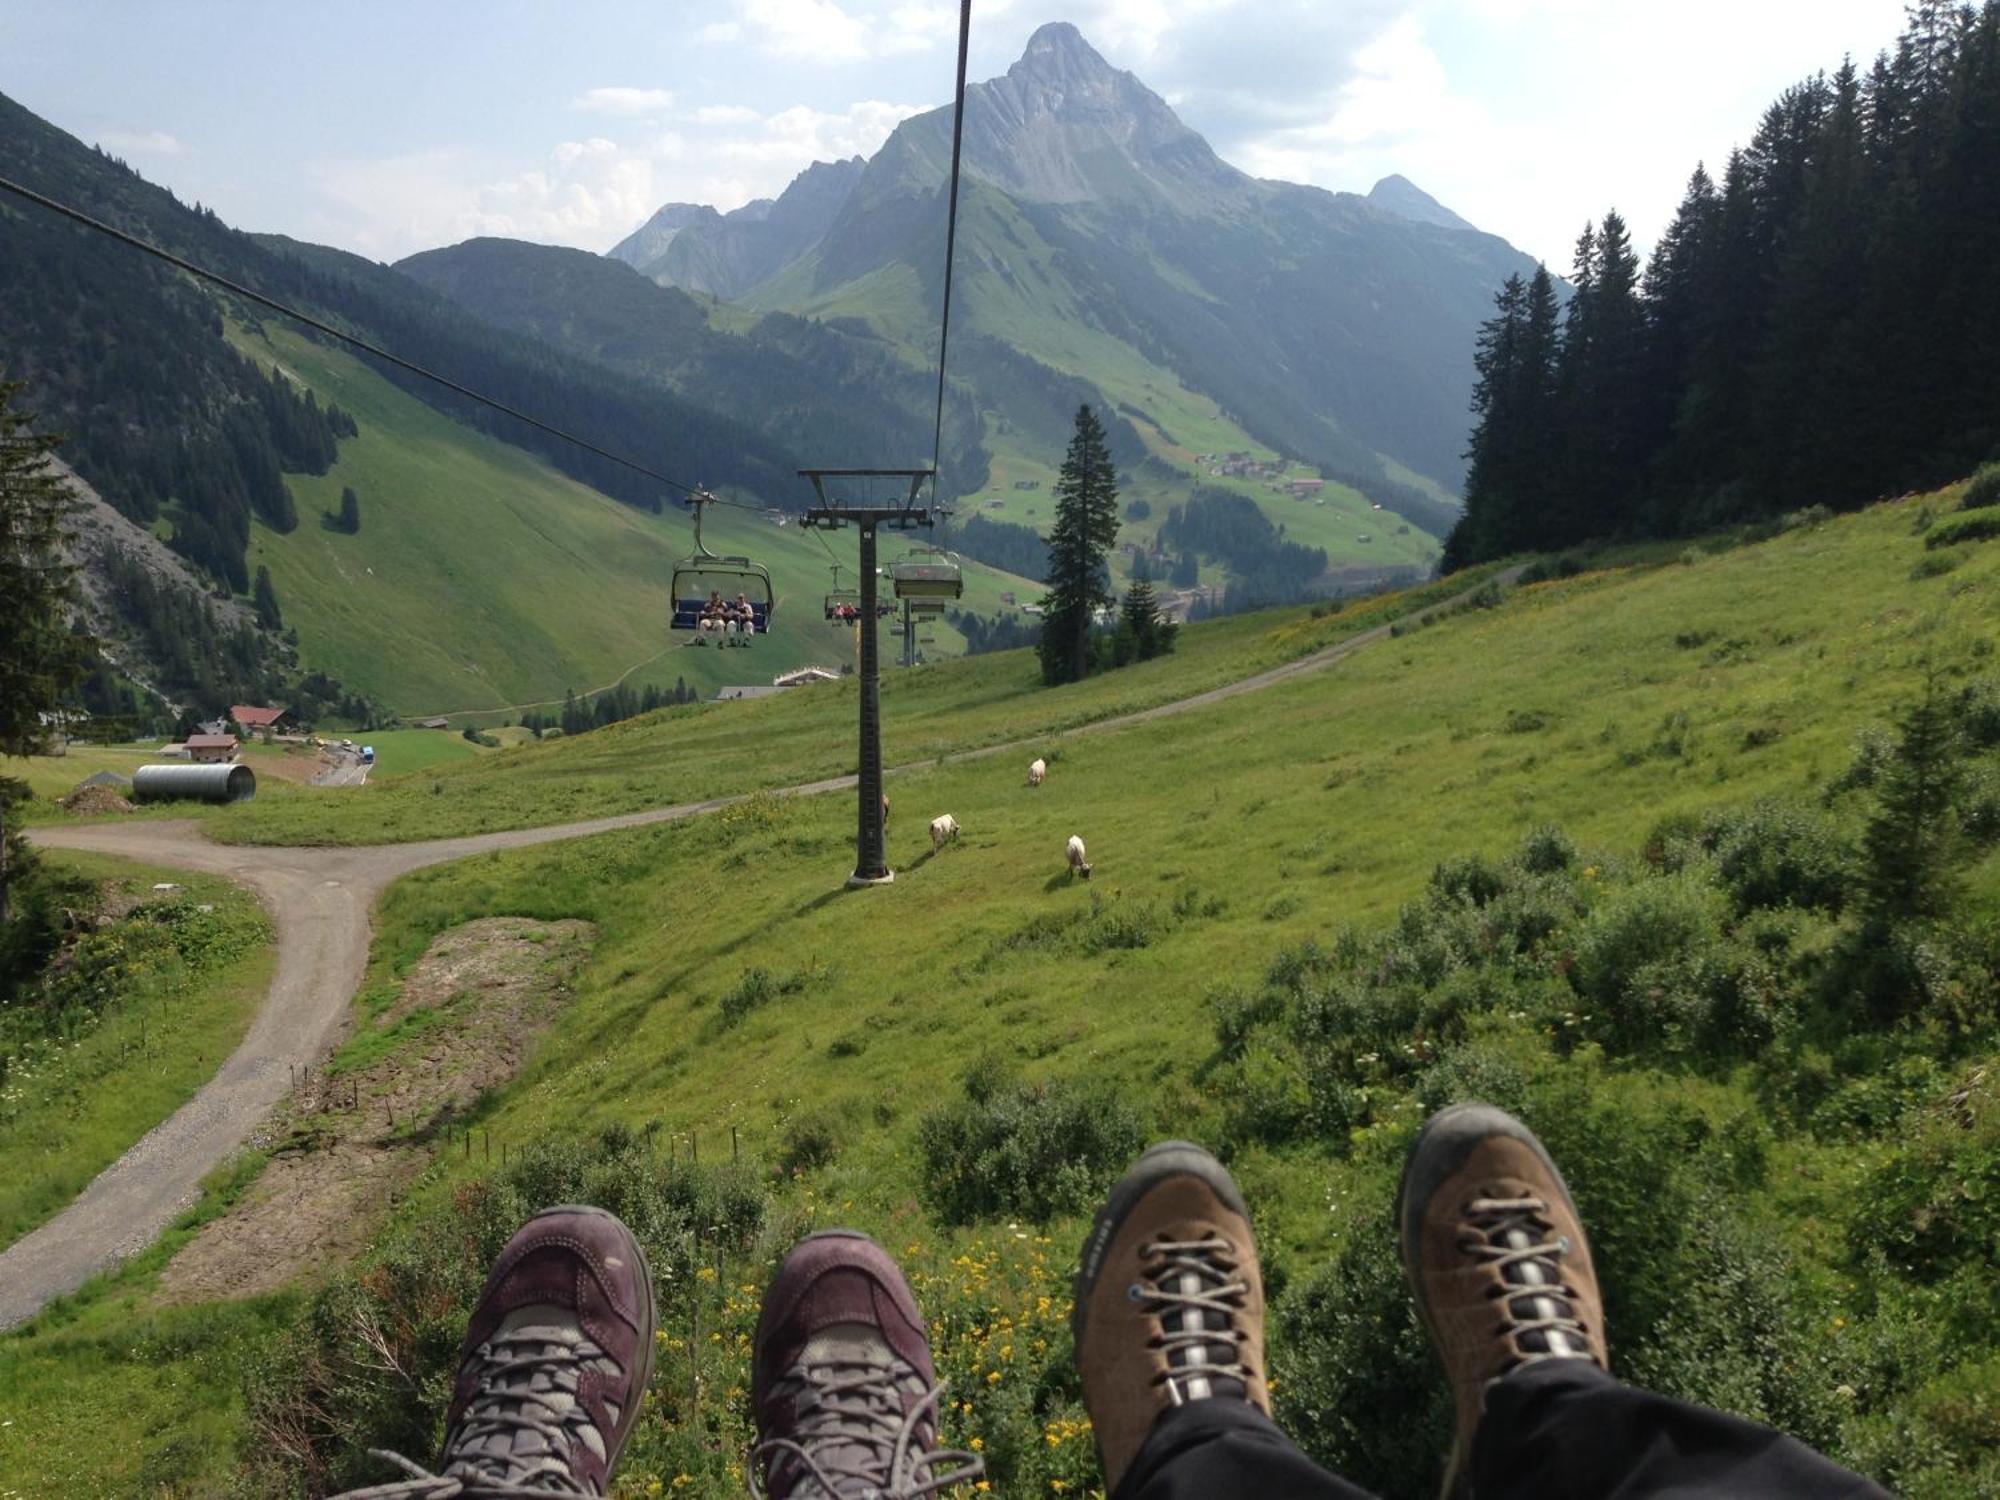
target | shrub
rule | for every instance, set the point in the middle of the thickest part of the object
(811, 1141)
(1777, 853)
(1933, 1207)
(1979, 526)
(1984, 490)
(1526, 721)
(1035, 1150)
(1648, 960)
(1934, 565)
(1542, 570)
(1547, 850)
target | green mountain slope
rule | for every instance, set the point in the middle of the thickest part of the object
(481, 580)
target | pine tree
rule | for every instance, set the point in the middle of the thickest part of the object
(265, 598)
(1086, 527)
(349, 517)
(1912, 839)
(43, 657)
(1144, 631)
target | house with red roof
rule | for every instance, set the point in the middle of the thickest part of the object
(253, 720)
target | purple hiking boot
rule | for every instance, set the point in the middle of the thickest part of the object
(552, 1371)
(842, 1382)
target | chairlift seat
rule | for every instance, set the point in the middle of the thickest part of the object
(687, 614)
(927, 578)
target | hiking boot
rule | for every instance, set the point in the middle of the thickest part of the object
(1169, 1301)
(553, 1367)
(1497, 1259)
(842, 1384)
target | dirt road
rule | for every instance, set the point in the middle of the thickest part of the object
(319, 900)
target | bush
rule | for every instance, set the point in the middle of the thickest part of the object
(1984, 490)
(1777, 853)
(1979, 526)
(810, 1141)
(1934, 565)
(1034, 1150)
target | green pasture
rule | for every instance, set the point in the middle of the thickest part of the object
(73, 1103)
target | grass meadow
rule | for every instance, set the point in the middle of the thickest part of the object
(1304, 931)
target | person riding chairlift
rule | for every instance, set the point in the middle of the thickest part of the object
(714, 614)
(744, 615)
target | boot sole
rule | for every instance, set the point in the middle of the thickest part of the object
(1156, 1165)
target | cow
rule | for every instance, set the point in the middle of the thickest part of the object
(1037, 772)
(943, 829)
(1078, 864)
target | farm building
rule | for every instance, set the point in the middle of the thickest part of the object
(212, 749)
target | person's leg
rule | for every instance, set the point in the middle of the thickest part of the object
(1565, 1430)
(1501, 1269)
(553, 1368)
(1169, 1327)
(841, 1380)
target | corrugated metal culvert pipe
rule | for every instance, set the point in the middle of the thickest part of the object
(197, 783)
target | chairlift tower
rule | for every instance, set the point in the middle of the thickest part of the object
(871, 860)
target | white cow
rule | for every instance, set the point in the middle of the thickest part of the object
(1078, 864)
(943, 830)
(1037, 772)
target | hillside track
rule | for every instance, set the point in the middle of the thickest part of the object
(319, 900)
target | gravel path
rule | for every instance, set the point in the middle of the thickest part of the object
(319, 900)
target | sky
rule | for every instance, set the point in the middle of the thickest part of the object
(386, 127)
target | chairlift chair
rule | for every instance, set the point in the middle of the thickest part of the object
(703, 572)
(927, 573)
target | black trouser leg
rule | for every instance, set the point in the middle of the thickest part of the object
(1564, 1430)
(1217, 1450)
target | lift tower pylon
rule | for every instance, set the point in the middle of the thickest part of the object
(871, 860)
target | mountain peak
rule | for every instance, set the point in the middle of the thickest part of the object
(1396, 194)
(1058, 47)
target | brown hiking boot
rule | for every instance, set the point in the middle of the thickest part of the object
(842, 1382)
(1169, 1301)
(1497, 1259)
(553, 1367)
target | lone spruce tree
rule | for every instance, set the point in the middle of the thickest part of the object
(41, 658)
(1086, 527)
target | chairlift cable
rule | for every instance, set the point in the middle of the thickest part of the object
(950, 237)
(238, 289)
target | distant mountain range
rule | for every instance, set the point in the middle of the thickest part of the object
(1100, 232)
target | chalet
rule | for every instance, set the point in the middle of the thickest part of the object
(250, 719)
(435, 721)
(210, 749)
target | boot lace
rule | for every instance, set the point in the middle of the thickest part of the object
(855, 1441)
(1516, 1238)
(1193, 1287)
(522, 1421)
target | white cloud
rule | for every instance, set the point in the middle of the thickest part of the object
(720, 31)
(624, 103)
(141, 142)
(808, 29)
(591, 192)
